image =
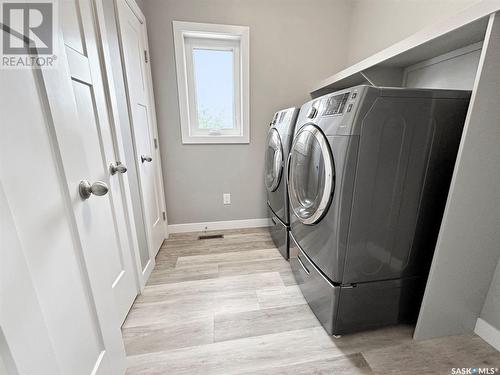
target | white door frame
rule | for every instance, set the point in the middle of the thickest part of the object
(152, 110)
(86, 67)
(109, 87)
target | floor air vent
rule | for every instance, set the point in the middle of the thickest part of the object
(210, 236)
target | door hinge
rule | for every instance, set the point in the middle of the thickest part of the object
(164, 216)
(146, 59)
(156, 143)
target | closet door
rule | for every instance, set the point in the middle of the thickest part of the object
(57, 307)
(96, 160)
(133, 39)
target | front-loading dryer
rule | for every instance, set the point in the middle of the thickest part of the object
(369, 173)
(279, 140)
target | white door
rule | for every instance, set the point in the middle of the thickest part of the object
(57, 314)
(133, 39)
(104, 215)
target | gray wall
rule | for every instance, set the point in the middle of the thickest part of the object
(293, 45)
(376, 24)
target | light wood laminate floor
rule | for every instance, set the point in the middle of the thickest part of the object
(231, 306)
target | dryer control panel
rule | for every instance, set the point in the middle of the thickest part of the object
(336, 104)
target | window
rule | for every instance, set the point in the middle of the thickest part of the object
(213, 82)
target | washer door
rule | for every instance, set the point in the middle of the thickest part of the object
(312, 175)
(274, 160)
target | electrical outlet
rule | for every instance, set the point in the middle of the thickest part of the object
(226, 197)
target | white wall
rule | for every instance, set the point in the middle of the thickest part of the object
(293, 44)
(377, 24)
(453, 70)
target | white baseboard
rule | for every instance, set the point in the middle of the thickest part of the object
(488, 333)
(219, 225)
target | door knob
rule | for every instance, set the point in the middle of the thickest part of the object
(144, 158)
(97, 188)
(117, 167)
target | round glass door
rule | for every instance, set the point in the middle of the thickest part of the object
(274, 160)
(312, 175)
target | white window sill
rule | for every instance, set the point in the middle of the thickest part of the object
(216, 139)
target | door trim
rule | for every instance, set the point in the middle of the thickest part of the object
(152, 113)
(136, 10)
(109, 88)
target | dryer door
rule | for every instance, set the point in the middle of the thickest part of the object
(274, 160)
(312, 175)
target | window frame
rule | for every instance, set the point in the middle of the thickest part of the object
(193, 43)
(188, 36)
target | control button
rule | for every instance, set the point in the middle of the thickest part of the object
(312, 112)
(354, 94)
(342, 104)
(349, 107)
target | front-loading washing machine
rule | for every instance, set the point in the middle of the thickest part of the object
(369, 174)
(279, 140)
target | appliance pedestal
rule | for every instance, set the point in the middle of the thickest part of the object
(364, 306)
(279, 234)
